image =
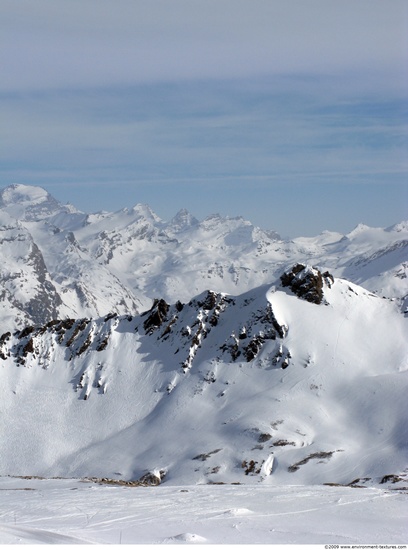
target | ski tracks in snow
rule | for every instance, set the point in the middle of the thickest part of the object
(69, 511)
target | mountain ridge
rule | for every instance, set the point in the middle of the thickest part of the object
(299, 382)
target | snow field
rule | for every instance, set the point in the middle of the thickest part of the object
(71, 511)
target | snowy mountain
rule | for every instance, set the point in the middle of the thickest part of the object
(248, 364)
(27, 291)
(62, 263)
(299, 382)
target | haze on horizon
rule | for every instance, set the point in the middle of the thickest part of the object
(291, 114)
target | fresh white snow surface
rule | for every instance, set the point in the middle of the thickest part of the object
(76, 512)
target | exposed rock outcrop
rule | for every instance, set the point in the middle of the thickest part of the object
(307, 282)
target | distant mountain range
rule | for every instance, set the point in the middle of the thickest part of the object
(59, 262)
(199, 352)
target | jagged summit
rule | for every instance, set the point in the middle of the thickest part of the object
(307, 282)
(182, 220)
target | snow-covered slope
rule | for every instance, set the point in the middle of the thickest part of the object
(299, 382)
(378, 259)
(94, 264)
(26, 289)
(46, 273)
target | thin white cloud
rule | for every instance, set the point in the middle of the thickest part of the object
(179, 134)
(82, 43)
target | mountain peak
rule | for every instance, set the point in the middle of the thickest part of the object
(23, 194)
(26, 202)
(307, 282)
(398, 227)
(182, 220)
(144, 210)
(360, 228)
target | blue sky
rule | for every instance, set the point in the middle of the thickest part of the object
(291, 114)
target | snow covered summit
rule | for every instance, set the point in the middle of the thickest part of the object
(27, 203)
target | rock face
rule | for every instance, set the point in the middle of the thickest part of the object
(157, 315)
(44, 305)
(182, 328)
(153, 478)
(307, 282)
(27, 292)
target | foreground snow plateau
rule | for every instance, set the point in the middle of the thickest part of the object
(77, 512)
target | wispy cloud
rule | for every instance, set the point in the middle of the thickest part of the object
(71, 43)
(205, 131)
